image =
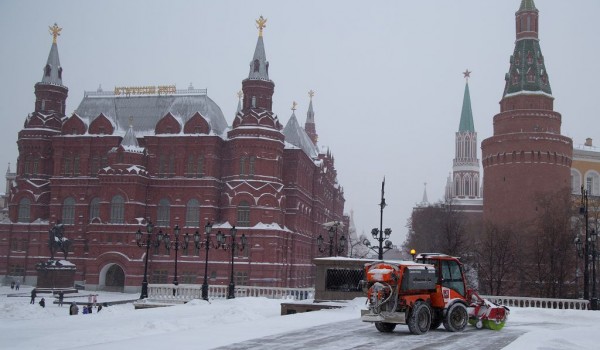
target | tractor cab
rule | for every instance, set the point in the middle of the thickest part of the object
(448, 270)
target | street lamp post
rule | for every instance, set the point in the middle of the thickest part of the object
(206, 245)
(234, 246)
(333, 247)
(149, 242)
(588, 249)
(176, 245)
(378, 233)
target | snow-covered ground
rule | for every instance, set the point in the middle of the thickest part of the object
(227, 323)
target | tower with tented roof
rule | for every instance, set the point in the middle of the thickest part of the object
(35, 164)
(465, 183)
(527, 155)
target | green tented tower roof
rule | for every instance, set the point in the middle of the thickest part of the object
(466, 115)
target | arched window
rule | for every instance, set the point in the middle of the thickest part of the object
(163, 213)
(24, 210)
(68, 212)
(467, 187)
(192, 213)
(253, 101)
(94, 208)
(117, 210)
(592, 183)
(47, 70)
(243, 214)
(256, 65)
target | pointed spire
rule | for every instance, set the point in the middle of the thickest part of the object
(527, 5)
(259, 67)
(8, 169)
(296, 136)
(310, 126)
(466, 115)
(310, 114)
(527, 71)
(425, 200)
(240, 94)
(53, 70)
(129, 140)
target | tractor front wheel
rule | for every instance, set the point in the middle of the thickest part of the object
(457, 318)
(385, 327)
(419, 320)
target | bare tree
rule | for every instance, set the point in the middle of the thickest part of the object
(496, 255)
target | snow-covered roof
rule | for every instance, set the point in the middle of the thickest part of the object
(147, 110)
(296, 135)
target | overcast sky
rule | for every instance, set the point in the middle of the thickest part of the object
(387, 74)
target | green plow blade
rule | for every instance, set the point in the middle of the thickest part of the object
(493, 325)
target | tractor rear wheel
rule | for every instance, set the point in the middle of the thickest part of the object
(457, 318)
(385, 327)
(419, 320)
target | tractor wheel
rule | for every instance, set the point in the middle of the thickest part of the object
(419, 320)
(385, 327)
(457, 318)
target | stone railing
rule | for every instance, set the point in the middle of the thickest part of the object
(183, 293)
(542, 303)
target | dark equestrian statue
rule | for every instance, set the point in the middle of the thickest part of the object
(57, 240)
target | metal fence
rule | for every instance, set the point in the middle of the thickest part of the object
(540, 303)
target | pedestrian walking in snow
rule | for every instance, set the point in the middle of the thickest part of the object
(17, 285)
(73, 309)
(42, 303)
(12, 285)
(61, 297)
(33, 295)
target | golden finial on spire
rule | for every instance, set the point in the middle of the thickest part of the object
(311, 94)
(467, 74)
(240, 94)
(55, 31)
(261, 23)
(294, 104)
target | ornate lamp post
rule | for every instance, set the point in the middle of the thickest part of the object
(332, 231)
(234, 246)
(149, 242)
(207, 244)
(378, 235)
(176, 245)
(413, 252)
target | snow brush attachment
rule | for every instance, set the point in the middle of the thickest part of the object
(486, 314)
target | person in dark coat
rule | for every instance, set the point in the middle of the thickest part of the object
(61, 297)
(12, 285)
(73, 309)
(33, 295)
(42, 303)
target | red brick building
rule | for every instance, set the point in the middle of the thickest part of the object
(166, 155)
(527, 154)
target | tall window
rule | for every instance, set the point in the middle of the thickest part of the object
(94, 208)
(195, 166)
(251, 165)
(76, 165)
(68, 212)
(192, 215)
(117, 210)
(163, 213)
(243, 166)
(35, 165)
(243, 214)
(94, 165)
(67, 169)
(24, 210)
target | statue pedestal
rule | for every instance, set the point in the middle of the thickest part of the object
(55, 274)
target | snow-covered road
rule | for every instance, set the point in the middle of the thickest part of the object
(354, 334)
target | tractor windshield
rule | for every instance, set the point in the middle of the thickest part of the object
(452, 276)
